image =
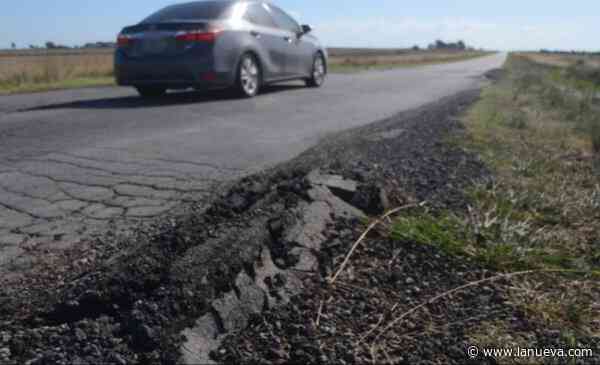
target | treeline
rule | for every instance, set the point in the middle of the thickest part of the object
(54, 46)
(51, 45)
(439, 44)
(448, 46)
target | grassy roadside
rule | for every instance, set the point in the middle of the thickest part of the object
(368, 63)
(56, 70)
(539, 131)
(23, 74)
(76, 83)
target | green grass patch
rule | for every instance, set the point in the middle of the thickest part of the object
(443, 231)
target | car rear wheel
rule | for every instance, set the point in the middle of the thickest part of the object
(248, 76)
(151, 91)
(319, 71)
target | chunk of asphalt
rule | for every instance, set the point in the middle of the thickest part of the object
(280, 285)
(343, 188)
(270, 285)
(372, 199)
(308, 231)
(234, 309)
(230, 313)
(339, 207)
(201, 339)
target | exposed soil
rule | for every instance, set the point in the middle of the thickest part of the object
(133, 301)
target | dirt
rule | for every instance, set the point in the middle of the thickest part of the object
(242, 280)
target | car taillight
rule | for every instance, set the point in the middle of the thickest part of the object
(124, 40)
(198, 36)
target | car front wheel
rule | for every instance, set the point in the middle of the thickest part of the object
(319, 71)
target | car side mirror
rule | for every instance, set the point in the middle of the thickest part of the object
(306, 29)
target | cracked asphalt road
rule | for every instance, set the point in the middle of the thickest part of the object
(80, 162)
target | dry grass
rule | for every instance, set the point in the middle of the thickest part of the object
(546, 198)
(542, 210)
(563, 60)
(358, 61)
(540, 213)
(20, 73)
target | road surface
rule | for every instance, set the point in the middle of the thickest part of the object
(75, 163)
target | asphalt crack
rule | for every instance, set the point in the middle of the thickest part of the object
(112, 172)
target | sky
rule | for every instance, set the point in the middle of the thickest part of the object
(499, 25)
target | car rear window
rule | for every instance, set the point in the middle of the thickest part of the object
(190, 11)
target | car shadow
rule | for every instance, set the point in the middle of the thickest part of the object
(170, 99)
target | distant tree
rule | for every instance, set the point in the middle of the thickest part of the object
(13, 45)
(52, 45)
(416, 48)
(439, 44)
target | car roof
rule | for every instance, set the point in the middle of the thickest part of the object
(220, 1)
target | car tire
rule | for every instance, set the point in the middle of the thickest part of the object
(151, 91)
(249, 76)
(319, 72)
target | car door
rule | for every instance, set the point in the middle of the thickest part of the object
(299, 52)
(270, 39)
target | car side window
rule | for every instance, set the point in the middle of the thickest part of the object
(258, 15)
(283, 20)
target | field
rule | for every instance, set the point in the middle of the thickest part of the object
(35, 70)
(563, 60)
(342, 60)
(23, 72)
(538, 128)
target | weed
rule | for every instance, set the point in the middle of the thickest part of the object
(443, 231)
(516, 119)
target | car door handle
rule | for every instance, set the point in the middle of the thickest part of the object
(255, 34)
(288, 39)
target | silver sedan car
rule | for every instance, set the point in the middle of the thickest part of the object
(240, 44)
